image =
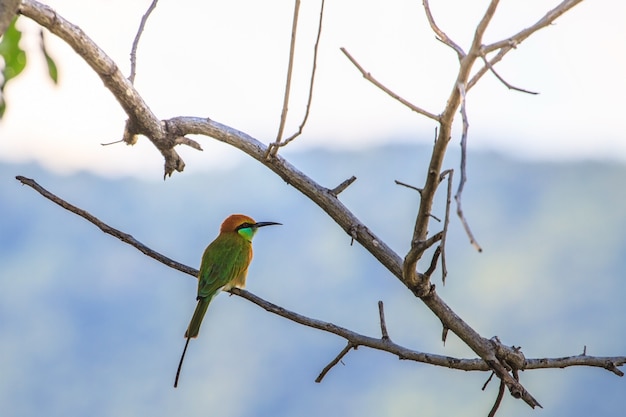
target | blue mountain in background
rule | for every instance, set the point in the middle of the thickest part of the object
(90, 326)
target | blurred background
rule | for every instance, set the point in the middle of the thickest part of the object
(88, 325)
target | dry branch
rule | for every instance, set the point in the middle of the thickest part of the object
(141, 120)
(273, 148)
(133, 51)
(165, 135)
(378, 84)
(355, 339)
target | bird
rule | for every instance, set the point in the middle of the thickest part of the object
(224, 266)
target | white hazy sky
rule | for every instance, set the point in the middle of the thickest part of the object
(227, 61)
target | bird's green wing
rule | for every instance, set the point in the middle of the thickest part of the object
(223, 261)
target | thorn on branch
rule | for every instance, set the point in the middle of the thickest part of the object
(335, 361)
(383, 325)
(345, 184)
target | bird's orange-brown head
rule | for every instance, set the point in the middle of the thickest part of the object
(242, 224)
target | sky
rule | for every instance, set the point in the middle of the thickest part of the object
(227, 61)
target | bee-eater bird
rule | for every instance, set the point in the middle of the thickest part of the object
(224, 266)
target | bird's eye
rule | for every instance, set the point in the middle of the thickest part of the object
(244, 226)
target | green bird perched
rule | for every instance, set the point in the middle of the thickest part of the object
(224, 266)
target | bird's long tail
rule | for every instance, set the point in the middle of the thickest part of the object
(180, 364)
(193, 330)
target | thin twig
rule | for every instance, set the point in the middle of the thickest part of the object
(498, 401)
(441, 35)
(285, 108)
(334, 362)
(506, 45)
(341, 187)
(488, 381)
(124, 237)
(311, 83)
(433, 262)
(459, 192)
(141, 120)
(133, 51)
(444, 268)
(477, 364)
(377, 83)
(412, 187)
(383, 324)
(502, 80)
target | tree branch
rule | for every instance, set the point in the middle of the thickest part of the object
(355, 339)
(133, 51)
(165, 135)
(273, 148)
(441, 35)
(506, 45)
(374, 81)
(141, 120)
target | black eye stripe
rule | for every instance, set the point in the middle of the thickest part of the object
(244, 226)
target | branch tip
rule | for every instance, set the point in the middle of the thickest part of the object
(341, 187)
(383, 325)
(334, 362)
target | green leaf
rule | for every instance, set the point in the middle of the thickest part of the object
(52, 66)
(14, 57)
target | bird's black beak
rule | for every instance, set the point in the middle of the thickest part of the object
(263, 224)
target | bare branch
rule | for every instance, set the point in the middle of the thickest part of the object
(545, 21)
(334, 362)
(292, 50)
(345, 184)
(498, 401)
(383, 325)
(506, 45)
(133, 51)
(412, 187)
(374, 81)
(355, 339)
(502, 80)
(433, 262)
(141, 120)
(124, 237)
(441, 35)
(446, 222)
(273, 148)
(459, 192)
